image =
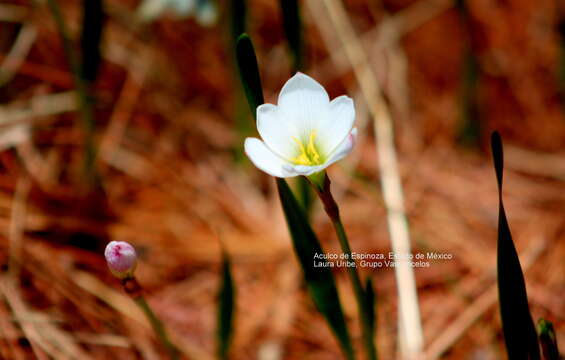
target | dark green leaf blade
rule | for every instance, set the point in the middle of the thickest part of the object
(304, 194)
(292, 24)
(249, 72)
(370, 296)
(471, 73)
(548, 340)
(92, 27)
(517, 324)
(226, 300)
(320, 281)
(238, 13)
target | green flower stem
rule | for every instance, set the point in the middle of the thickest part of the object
(133, 288)
(331, 208)
(359, 293)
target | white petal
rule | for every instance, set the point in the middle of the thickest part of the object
(303, 102)
(344, 148)
(262, 157)
(304, 170)
(337, 126)
(302, 84)
(276, 133)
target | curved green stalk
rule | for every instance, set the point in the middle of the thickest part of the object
(158, 327)
(365, 309)
(360, 295)
(133, 288)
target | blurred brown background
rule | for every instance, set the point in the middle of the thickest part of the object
(170, 176)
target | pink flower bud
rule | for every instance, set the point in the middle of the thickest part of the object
(121, 259)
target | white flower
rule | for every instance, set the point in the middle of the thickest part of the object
(121, 258)
(305, 133)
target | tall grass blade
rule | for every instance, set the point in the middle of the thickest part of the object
(470, 130)
(292, 24)
(84, 99)
(238, 14)
(517, 325)
(91, 37)
(249, 72)
(370, 296)
(226, 304)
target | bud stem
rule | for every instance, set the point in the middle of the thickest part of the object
(363, 308)
(135, 291)
(157, 327)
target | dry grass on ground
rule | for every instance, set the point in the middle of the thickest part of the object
(168, 182)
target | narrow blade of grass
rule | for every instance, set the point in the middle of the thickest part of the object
(292, 24)
(84, 99)
(226, 302)
(548, 340)
(238, 17)
(249, 72)
(469, 130)
(519, 331)
(370, 296)
(470, 127)
(92, 28)
(304, 194)
(237, 26)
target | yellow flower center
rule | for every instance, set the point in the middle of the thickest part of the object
(309, 154)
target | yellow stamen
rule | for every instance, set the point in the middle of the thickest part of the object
(309, 154)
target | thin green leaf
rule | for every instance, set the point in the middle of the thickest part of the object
(305, 194)
(548, 340)
(238, 18)
(86, 101)
(249, 72)
(92, 26)
(519, 331)
(370, 296)
(319, 281)
(237, 26)
(470, 127)
(226, 301)
(292, 24)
